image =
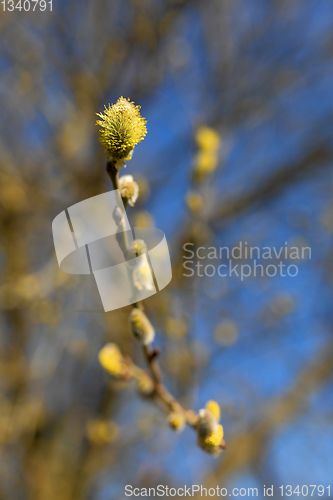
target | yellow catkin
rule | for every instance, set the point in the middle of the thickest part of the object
(111, 360)
(122, 128)
(206, 160)
(207, 138)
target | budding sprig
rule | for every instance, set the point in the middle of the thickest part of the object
(209, 431)
(122, 128)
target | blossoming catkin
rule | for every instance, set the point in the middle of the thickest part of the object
(122, 127)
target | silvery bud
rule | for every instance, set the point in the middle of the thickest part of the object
(141, 327)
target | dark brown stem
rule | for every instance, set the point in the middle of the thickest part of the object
(112, 173)
(153, 366)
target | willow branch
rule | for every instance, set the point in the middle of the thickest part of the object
(158, 391)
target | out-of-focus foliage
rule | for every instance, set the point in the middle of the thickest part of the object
(256, 76)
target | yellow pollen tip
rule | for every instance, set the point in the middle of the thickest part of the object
(214, 408)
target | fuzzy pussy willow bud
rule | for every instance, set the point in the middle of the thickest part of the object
(207, 424)
(141, 327)
(138, 249)
(122, 128)
(210, 432)
(176, 421)
(112, 360)
(128, 189)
